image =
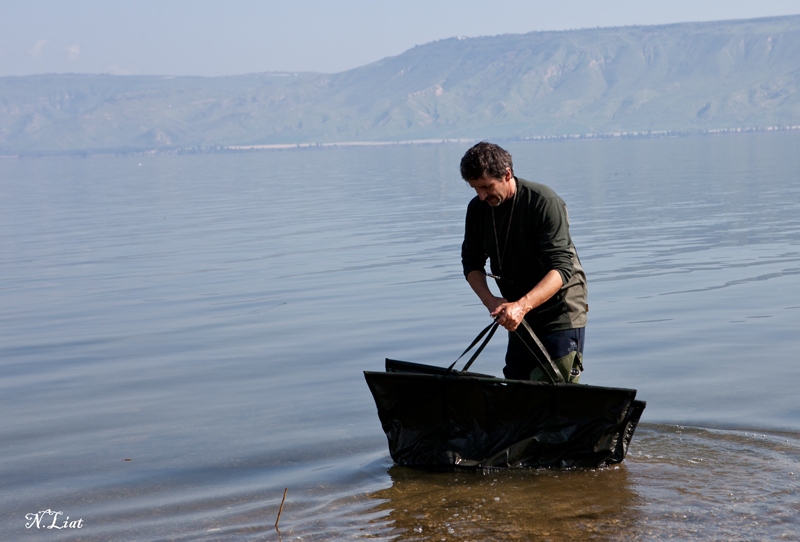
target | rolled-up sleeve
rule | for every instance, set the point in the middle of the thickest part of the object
(473, 255)
(554, 244)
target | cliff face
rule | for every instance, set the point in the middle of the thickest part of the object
(682, 77)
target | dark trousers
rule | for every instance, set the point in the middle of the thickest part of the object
(520, 363)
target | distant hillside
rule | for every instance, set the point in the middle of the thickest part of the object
(681, 77)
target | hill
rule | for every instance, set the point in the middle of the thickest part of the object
(681, 77)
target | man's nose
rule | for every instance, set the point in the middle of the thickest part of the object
(481, 194)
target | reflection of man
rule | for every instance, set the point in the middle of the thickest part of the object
(523, 228)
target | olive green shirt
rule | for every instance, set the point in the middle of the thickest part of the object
(523, 246)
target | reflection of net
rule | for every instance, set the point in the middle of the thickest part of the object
(509, 505)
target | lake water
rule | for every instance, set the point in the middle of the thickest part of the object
(183, 337)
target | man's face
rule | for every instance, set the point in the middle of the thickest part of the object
(494, 191)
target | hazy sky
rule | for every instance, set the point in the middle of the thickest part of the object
(203, 37)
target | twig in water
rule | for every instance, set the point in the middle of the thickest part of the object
(280, 510)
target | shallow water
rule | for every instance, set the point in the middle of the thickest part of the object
(678, 484)
(183, 337)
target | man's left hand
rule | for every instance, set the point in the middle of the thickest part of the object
(509, 315)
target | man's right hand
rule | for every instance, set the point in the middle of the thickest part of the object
(477, 281)
(493, 303)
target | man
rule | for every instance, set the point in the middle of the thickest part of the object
(523, 228)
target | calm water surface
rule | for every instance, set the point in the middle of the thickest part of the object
(183, 337)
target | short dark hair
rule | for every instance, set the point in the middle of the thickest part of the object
(485, 159)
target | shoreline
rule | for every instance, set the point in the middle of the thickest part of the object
(216, 149)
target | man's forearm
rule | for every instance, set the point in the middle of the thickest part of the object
(510, 315)
(477, 281)
(544, 290)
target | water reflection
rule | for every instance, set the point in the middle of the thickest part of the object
(509, 504)
(677, 482)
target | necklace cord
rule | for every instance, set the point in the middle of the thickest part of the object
(501, 257)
